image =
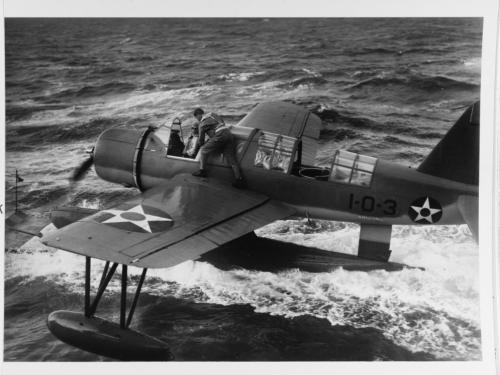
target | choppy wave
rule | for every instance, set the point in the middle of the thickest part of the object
(20, 112)
(110, 70)
(87, 92)
(140, 58)
(27, 84)
(373, 51)
(428, 84)
(38, 197)
(242, 77)
(334, 123)
(399, 141)
(305, 81)
(40, 135)
(433, 311)
(339, 134)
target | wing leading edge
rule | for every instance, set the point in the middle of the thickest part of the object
(170, 224)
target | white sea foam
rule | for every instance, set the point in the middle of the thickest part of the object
(242, 77)
(473, 63)
(435, 310)
(311, 72)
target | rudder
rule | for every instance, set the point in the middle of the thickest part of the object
(456, 156)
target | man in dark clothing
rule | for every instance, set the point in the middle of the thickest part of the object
(221, 141)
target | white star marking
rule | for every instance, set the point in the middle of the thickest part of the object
(144, 224)
(427, 206)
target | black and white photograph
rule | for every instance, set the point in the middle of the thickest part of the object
(243, 189)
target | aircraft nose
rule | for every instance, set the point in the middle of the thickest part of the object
(118, 154)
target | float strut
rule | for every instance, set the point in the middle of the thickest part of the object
(123, 304)
(136, 298)
(87, 286)
(102, 288)
(104, 273)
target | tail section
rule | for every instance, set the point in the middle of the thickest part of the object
(456, 157)
(468, 206)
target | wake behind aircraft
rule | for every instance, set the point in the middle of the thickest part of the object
(178, 217)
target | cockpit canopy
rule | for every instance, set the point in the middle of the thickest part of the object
(351, 168)
(275, 151)
(279, 153)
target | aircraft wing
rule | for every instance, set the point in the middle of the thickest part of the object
(290, 120)
(169, 224)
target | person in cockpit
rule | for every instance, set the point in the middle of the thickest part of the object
(221, 141)
(191, 148)
(175, 144)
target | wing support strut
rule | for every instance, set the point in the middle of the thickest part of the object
(90, 309)
(374, 242)
(136, 298)
(102, 288)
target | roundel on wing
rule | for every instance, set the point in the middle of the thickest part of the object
(425, 210)
(136, 218)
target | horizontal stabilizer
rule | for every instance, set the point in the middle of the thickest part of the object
(374, 242)
(468, 207)
(20, 226)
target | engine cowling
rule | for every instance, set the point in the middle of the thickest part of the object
(118, 153)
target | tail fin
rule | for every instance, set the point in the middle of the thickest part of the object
(456, 157)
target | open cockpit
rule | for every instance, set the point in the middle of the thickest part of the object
(276, 153)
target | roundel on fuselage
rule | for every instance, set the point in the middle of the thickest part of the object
(425, 210)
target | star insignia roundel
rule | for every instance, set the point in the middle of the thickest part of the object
(425, 210)
(136, 218)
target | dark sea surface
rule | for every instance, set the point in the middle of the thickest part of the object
(388, 88)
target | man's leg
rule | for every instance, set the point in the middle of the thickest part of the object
(213, 145)
(230, 156)
(203, 158)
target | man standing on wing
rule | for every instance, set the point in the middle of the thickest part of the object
(221, 141)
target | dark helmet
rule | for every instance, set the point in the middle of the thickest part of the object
(198, 111)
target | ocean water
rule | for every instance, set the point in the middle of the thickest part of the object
(388, 88)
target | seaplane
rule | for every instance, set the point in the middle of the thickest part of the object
(177, 217)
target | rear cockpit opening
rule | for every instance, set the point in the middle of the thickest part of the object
(351, 168)
(347, 168)
(274, 152)
(284, 154)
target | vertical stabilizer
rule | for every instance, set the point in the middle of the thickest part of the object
(456, 157)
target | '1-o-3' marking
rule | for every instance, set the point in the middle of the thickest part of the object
(368, 204)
